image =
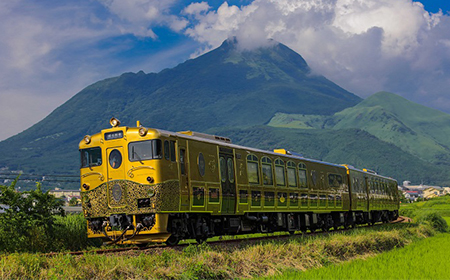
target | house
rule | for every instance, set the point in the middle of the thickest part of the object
(412, 195)
(431, 192)
(66, 195)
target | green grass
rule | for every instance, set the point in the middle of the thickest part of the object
(265, 258)
(425, 259)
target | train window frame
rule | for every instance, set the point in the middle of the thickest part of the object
(115, 159)
(333, 178)
(173, 151)
(230, 170)
(279, 163)
(253, 160)
(267, 162)
(183, 161)
(223, 169)
(201, 164)
(291, 166)
(90, 162)
(156, 150)
(166, 150)
(302, 170)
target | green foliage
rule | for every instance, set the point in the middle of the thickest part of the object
(28, 221)
(425, 259)
(244, 260)
(73, 201)
(34, 221)
(435, 220)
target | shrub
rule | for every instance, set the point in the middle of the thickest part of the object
(28, 221)
(435, 220)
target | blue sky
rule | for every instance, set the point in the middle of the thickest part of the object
(52, 49)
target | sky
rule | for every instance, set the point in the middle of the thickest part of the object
(51, 49)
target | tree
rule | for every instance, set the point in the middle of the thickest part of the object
(73, 201)
(27, 217)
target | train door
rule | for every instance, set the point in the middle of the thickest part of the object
(368, 194)
(183, 173)
(115, 174)
(228, 181)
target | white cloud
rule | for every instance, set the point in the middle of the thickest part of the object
(138, 17)
(49, 53)
(196, 8)
(363, 45)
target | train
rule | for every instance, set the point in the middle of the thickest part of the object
(141, 185)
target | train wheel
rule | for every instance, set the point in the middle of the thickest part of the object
(292, 232)
(172, 240)
(142, 245)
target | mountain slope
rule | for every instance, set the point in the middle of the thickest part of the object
(417, 129)
(350, 146)
(224, 87)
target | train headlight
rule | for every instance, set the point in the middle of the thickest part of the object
(87, 139)
(151, 192)
(114, 122)
(86, 186)
(143, 131)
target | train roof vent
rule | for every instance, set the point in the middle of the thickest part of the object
(286, 152)
(206, 136)
(369, 171)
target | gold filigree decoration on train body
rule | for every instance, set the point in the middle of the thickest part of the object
(166, 198)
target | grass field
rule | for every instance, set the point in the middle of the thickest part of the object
(425, 259)
(245, 260)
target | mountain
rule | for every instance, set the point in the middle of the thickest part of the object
(416, 129)
(223, 88)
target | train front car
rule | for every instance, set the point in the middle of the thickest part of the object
(122, 187)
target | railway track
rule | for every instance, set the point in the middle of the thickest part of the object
(227, 242)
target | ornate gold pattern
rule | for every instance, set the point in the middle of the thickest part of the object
(102, 203)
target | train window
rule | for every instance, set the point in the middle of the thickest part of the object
(223, 169)
(91, 157)
(166, 150)
(252, 169)
(182, 166)
(145, 150)
(302, 175)
(292, 178)
(115, 159)
(230, 165)
(172, 151)
(334, 180)
(267, 173)
(314, 177)
(280, 177)
(201, 164)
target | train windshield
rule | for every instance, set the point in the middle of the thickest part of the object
(91, 157)
(145, 150)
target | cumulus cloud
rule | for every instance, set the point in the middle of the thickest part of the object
(364, 46)
(138, 17)
(50, 52)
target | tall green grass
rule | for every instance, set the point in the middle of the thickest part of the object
(265, 258)
(425, 259)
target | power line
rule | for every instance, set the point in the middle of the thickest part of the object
(40, 175)
(40, 180)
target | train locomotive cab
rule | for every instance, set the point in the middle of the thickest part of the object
(122, 186)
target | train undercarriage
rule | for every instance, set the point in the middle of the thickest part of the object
(137, 229)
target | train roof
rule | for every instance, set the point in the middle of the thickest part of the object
(230, 145)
